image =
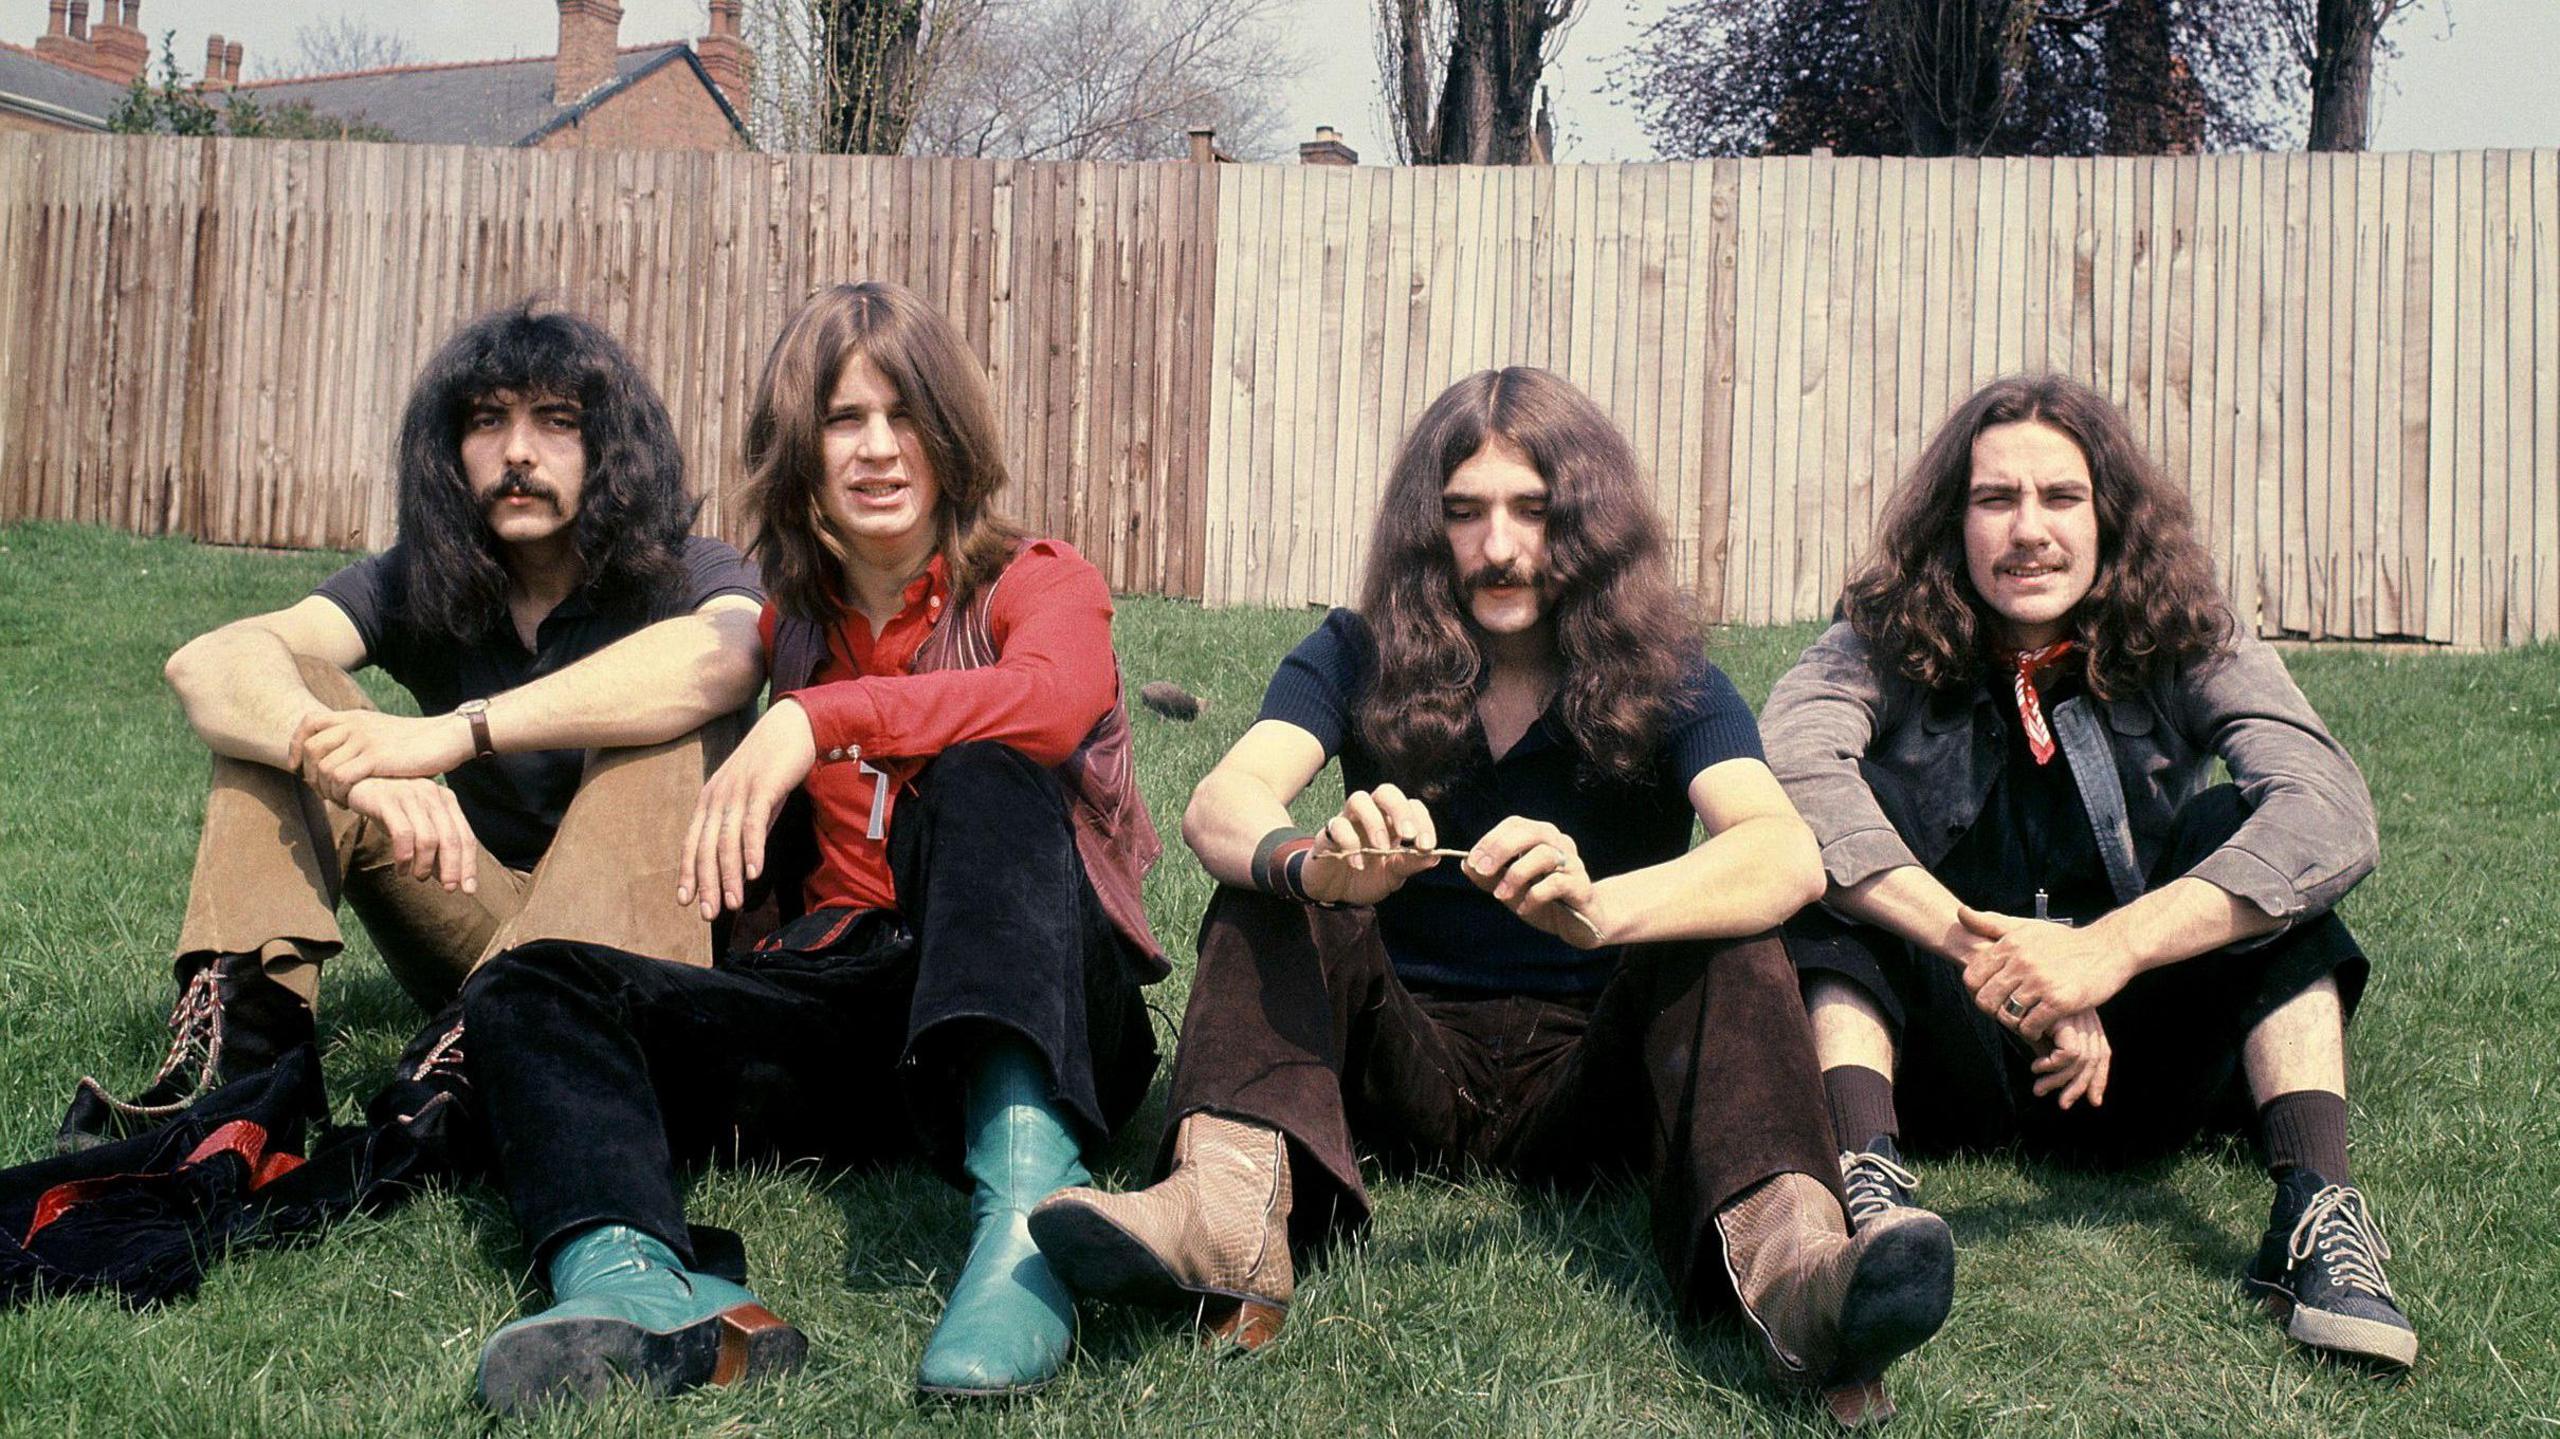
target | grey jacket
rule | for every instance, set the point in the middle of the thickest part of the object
(2309, 838)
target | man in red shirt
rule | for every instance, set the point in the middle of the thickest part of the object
(959, 841)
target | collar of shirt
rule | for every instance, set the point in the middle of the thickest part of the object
(893, 650)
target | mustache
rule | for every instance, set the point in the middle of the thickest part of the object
(516, 483)
(1495, 577)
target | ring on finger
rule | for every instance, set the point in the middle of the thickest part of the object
(2013, 1009)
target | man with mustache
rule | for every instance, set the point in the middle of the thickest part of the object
(2045, 925)
(1503, 948)
(566, 641)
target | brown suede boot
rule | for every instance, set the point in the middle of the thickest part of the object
(1833, 1310)
(1214, 1234)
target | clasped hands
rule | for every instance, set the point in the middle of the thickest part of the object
(1382, 837)
(383, 767)
(2046, 981)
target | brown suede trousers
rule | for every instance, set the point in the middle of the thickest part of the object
(1694, 1068)
(275, 859)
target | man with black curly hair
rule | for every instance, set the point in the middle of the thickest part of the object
(566, 640)
(2045, 923)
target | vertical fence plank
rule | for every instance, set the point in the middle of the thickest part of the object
(2546, 390)
(2512, 291)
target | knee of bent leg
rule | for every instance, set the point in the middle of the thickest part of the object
(982, 772)
(330, 685)
(2204, 824)
(497, 986)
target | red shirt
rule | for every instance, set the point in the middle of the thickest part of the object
(877, 723)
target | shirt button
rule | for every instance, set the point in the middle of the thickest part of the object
(835, 754)
(852, 751)
(935, 603)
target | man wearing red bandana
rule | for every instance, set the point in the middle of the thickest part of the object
(2045, 926)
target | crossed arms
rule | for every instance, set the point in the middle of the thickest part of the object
(245, 696)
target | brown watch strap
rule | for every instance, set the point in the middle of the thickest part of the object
(477, 711)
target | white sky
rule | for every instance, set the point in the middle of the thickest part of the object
(2483, 81)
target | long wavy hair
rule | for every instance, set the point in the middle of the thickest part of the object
(945, 390)
(1625, 634)
(633, 510)
(2152, 603)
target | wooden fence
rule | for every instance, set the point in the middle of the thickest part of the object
(2354, 361)
(215, 337)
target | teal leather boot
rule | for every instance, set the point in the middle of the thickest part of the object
(624, 1310)
(1009, 1323)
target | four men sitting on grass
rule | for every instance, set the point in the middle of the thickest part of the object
(2037, 918)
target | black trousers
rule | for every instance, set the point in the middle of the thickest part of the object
(841, 1036)
(1962, 1081)
(1693, 1067)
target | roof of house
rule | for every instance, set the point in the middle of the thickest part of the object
(477, 102)
(37, 86)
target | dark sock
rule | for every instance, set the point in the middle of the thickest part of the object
(2306, 1129)
(1861, 1105)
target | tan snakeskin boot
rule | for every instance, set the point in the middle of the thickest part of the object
(1835, 1310)
(1213, 1234)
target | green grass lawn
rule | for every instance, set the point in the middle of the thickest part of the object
(2085, 1305)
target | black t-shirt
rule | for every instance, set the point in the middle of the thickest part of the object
(514, 801)
(1440, 930)
(2033, 833)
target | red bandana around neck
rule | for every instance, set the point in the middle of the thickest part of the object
(2030, 705)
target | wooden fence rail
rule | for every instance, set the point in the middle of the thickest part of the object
(2353, 361)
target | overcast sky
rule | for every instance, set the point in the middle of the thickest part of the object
(2482, 79)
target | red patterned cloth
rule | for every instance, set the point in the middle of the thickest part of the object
(2026, 664)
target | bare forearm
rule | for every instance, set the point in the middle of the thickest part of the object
(646, 688)
(1228, 815)
(1909, 901)
(2180, 920)
(242, 691)
(1747, 879)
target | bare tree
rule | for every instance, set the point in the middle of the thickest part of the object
(333, 47)
(1462, 77)
(1108, 80)
(846, 76)
(2335, 40)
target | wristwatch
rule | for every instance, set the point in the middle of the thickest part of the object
(477, 711)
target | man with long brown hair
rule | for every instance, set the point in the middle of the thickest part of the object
(2044, 922)
(959, 844)
(1521, 691)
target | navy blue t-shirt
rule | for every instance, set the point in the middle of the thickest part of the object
(1441, 931)
(514, 801)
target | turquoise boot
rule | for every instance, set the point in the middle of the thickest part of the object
(625, 1311)
(1009, 1323)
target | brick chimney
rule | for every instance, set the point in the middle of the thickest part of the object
(118, 43)
(1327, 149)
(589, 32)
(231, 62)
(214, 56)
(56, 44)
(725, 56)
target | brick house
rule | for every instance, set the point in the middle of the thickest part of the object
(593, 93)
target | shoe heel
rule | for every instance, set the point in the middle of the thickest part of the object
(1855, 1406)
(1248, 1324)
(754, 1340)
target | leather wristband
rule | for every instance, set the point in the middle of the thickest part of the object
(1280, 864)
